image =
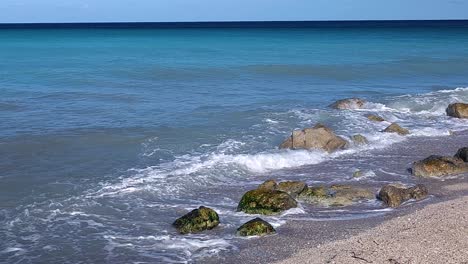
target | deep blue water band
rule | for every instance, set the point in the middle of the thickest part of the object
(244, 24)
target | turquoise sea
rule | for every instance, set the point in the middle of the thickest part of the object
(108, 135)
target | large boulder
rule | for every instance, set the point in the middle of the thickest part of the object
(395, 128)
(435, 165)
(462, 154)
(265, 201)
(375, 118)
(393, 195)
(459, 110)
(197, 220)
(317, 137)
(335, 195)
(348, 103)
(256, 227)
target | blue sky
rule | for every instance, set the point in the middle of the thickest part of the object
(224, 10)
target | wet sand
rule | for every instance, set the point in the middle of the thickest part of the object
(434, 230)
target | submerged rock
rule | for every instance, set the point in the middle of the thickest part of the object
(335, 195)
(459, 110)
(348, 103)
(462, 154)
(360, 139)
(318, 137)
(197, 220)
(375, 118)
(395, 128)
(357, 174)
(256, 227)
(393, 195)
(435, 165)
(265, 201)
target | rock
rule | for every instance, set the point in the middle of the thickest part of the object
(318, 137)
(256, 227)
(293, 188)
(349, 103)
(375, 118)
(393, 195)
(267, 202)
(395, 128)
(462, 154)
(357, 174)
(459, 110)
(268, 185)
(435, 165)
(336, 195)
(197, 220)
(360, 139)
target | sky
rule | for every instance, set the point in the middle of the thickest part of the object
(36, 11)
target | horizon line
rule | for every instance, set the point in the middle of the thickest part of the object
(241, 24)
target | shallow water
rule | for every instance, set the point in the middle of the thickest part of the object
(107, 136)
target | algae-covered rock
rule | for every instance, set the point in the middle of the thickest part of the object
(360, 139)
(293, 188)
(434, 166)
(462, 154)
(395, 128)
(197, 220)
(393, 195)
(267, 202)
(256, 227)
(458, 110)
(348, 103)
(335, 195)
(375, 118)
(317, 137)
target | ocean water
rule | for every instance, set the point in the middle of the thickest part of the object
(108, 135)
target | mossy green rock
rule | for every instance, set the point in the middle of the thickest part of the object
(256, 227)
(267, 202)
(197, 220)
(336, 195)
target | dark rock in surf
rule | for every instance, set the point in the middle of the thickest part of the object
(256, 227)
(393, 195)
(395, 128)
(268, 185)
(462, 154)
(197, 220)
(317, 137)
(266, 201)
(458, 110)
(436, 166)
(375, 118)
(348, 103)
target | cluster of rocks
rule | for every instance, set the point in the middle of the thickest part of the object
(271, 197)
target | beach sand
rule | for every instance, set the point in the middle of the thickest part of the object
(437, 233)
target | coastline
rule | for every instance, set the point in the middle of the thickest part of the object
(434, 234)
(331, 241)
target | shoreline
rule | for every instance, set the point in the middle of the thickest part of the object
(436, 233)
(301, 240)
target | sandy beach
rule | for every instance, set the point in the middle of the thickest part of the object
(435, 234)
